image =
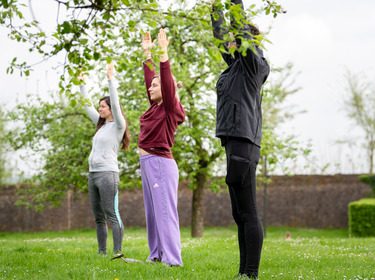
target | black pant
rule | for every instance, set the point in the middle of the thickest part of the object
(242, 160)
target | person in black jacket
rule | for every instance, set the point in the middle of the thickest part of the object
(239, 126)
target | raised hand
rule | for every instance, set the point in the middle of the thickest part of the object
(147, 44)
(162, 39)
(163, 43)
(81, 76)
(110, 70)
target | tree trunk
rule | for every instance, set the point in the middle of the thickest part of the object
(372, 148)
(371, 161)
(197, 215)
(69, 202)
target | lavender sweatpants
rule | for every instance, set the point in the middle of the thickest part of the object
(160, 184)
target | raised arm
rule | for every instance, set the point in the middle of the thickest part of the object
(149, 73)
(115, 102)
(148, 67)
(168, 89)
(89, 107)
(254, 56)
(243, 29)
(219, 30)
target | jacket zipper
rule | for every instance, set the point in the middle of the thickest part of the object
(234, 116)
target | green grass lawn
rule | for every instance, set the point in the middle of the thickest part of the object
(310, 254)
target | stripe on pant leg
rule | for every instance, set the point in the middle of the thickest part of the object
(117, 211)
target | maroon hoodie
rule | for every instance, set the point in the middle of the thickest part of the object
(160, 122)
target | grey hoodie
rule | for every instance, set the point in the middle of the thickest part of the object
(107, 140)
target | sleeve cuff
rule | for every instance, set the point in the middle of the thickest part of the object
(113, 82)
(165, 64)
(147, 60)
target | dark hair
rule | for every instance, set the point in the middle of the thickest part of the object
(126, 137)
(254, 29)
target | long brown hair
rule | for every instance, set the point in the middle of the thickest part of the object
(126, 137)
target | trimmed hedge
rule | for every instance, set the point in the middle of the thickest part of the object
(369, 179)
(362, 217)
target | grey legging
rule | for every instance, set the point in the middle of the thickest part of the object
(103, 191)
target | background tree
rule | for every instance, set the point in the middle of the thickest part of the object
(86, 30)
(61, 136)
(360, 107)
(92, 32)
(196, 148)
(370, 180)
(4, 171)
(278, 150)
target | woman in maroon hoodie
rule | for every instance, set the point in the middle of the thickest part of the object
(158, 168)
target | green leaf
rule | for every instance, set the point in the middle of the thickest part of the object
(106, 16)
(5, 4)
(218, 56)
(149, 64)
(97, 56)
(73, 102)
(152, 23)
(70, 72)
(232, 49)
(76, 81)
(87, 55)
(83, 41)
(66, 28)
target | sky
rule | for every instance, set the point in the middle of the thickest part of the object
(323, 40)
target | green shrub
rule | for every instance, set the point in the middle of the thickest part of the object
(369, 179)
(362, 217)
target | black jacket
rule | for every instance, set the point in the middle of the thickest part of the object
(238, 88)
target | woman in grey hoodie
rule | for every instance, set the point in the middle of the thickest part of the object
(111, 132)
